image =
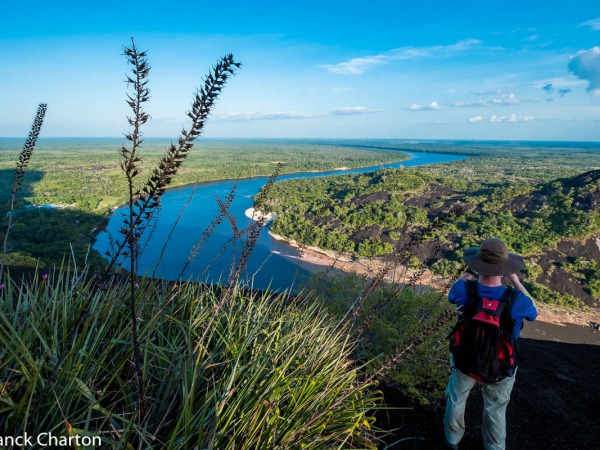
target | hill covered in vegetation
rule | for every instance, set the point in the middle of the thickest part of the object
(553, 221)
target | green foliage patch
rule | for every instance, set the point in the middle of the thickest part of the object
(388, 320)
(499, 191)
(246, 372)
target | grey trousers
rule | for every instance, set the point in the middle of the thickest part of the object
(495, 400)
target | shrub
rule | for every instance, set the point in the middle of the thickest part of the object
(546, 295)
(23, 259)
(445, 267)
(388, 320)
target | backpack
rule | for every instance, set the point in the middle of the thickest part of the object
(482, 342)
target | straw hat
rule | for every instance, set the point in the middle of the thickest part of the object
(493, 258)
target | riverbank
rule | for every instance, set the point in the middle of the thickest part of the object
(553, 323)
(309, 257)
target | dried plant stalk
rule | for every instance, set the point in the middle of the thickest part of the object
(130, 165)
(144, 201)
(19, 173)
(254, 229)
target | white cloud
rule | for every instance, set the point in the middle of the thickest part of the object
(475, 119)
(433, 106)
(471, 104)
(281, 115)
(594, 24)
(251, 115)
(357, 66)
(435, 51)
(559, 82)
(498, 119)
(585, 64)
(511, 118)
(506, 100)
(491, 92)
(352, 110)
(550, 89)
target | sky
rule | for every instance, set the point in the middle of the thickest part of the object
(511, 70)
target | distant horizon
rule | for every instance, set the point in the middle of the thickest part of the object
(266, 138)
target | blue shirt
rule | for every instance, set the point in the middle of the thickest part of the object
(522, 308)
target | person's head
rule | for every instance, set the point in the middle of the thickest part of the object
(492, 258)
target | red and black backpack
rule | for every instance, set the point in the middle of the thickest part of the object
(482, 342)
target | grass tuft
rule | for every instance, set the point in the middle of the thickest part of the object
(245, 372)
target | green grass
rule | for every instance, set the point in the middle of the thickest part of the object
(248, 372)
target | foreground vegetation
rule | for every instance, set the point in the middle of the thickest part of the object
(239, 371)
(402, 332)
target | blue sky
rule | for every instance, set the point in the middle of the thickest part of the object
(380, 69)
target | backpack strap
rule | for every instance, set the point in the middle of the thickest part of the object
(473, 298)
(510, 296)
(467, 307)
(472, 290)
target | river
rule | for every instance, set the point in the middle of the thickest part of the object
(273, 264)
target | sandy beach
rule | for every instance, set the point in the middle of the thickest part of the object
(257, 215)
(362, 266)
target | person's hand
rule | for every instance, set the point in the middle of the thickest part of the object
(514, 278)
(517, 283)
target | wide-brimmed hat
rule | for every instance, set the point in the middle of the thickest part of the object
(493, 258)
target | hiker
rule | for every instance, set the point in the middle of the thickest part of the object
(490, 317)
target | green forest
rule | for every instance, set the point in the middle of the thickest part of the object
(532, 199)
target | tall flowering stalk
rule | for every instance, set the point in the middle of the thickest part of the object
(147, 199)
(19, 174)
(130, 166)
(144, 202)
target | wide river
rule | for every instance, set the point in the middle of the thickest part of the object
(272, 264)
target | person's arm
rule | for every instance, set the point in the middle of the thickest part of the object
(468, 275)
(519, 286)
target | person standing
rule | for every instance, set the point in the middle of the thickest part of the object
(490, 262)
